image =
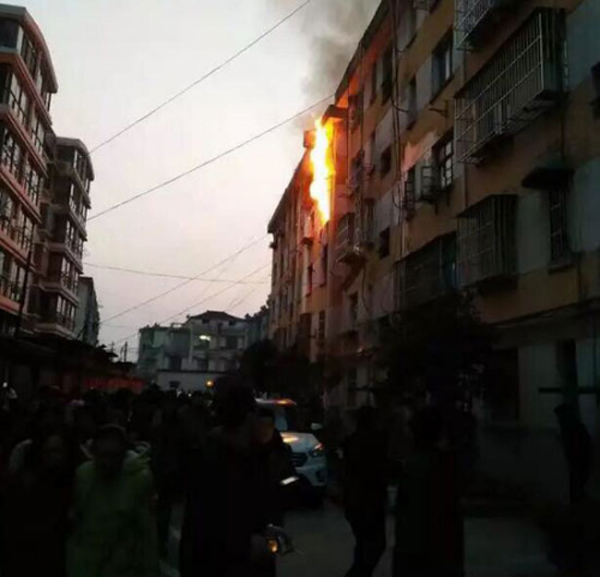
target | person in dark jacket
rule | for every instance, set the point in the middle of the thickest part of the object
(35, 508)
(578, 449)
(365, 491)
(221, 509)
(429, 522)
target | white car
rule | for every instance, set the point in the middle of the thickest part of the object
(308, 453)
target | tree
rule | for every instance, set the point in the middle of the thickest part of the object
(442, 349)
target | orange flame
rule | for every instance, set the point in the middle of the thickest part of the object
(323, 170)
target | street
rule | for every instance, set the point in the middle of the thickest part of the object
(495, 547)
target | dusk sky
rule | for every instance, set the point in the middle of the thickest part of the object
(116, 60)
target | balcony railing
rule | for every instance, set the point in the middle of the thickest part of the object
(472, 17)
(486, 241)
(9, 288)
(345, 241)
(523, 80)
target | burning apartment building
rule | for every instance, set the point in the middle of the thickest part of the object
(464, 152)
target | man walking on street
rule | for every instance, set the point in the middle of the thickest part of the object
(114, 526)
(365, 491)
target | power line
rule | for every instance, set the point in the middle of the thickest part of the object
(201, 79)
(206, 163)
(164, 275)
(237, 302)
(184, 283)
(202, 301)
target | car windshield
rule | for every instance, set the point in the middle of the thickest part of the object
(286, 417)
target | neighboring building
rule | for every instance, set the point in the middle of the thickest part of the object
(466, 148)
(257, 327)
(28, 82)
(87, 319)
(44, 189)
(61, 236)
(209, 345)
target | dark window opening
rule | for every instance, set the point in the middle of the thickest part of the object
(388, 75)
(559, 242)
(374, 82)
(442, 64)
(386, 161)
(384, 243)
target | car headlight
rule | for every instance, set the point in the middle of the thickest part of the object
(318, 451)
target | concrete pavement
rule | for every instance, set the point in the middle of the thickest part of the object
(495, 547)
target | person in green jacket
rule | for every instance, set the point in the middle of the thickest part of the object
(114, 526)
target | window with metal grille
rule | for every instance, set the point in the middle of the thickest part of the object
(486, 240)
(443, 154)
(559, 239)
(7, 206)
(442, 64)
(426, 274)
(12, 154)
(409, 200)
(521, 81)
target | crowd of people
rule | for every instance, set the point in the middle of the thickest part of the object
(88, 487)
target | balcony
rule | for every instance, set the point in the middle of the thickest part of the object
(345, 248)
(427, 274)
(473, 18)
(486, 242)
(10, 289)
(522, 81)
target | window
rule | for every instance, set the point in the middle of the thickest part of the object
(7, 207)
(387, 83)
(11, 154)
(523, 80)
(309, 279)
(559, 241)
(231, 343)
(14, 95)
(11, 34)
(38, 134)
(353, 310)
(409, 200)
(442, 65)
(412, 101)
(384, 243)
(324, 265)
(385, 164)
(321, 327)
(374, 82)
(444, 162)
(487, 241)
(174, 385)
(426, 274)
(596, 85)
(32, 182)
(30, 55)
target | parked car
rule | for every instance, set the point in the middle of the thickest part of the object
(308, 453)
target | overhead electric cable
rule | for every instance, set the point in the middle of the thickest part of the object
(198, 81)
(206, 163)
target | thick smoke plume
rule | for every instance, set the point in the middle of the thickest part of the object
(334, 28)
